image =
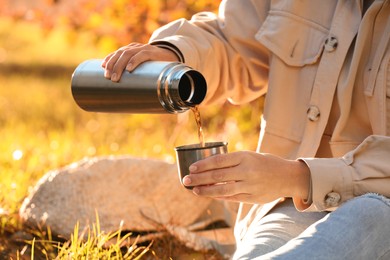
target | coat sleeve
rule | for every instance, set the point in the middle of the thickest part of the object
(363, 170)
(224, 49)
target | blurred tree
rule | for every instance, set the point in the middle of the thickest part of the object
(123, 21)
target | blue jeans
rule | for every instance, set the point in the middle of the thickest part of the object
(359, 229)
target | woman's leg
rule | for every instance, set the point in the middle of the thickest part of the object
(280, 225)
(359, 229)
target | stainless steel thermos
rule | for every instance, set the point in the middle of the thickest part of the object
(153, 87)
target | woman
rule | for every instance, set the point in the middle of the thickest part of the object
(324, 143)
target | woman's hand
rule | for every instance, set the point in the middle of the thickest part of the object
(130, 56)
(249, 177)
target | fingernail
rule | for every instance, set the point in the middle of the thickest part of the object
(193, 168)
(129, 66)
(114, 77)
(187, 180)
(107, 74)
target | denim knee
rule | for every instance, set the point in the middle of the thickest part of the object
(368, 206)
(374, 215)
(371, 201)
(376, 196)
(369, 213)
(358, 229)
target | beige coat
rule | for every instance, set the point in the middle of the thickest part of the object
(325, 70)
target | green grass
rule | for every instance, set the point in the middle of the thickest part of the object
(41, 127)
(91, 244)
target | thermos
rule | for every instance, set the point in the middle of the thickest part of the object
(153, 87)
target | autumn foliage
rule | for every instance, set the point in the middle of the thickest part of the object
(123, 20)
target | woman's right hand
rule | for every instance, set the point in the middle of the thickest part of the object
(130, 56)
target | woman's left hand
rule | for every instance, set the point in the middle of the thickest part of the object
(249, 177)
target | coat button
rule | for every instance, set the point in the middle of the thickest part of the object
(332, 199)
(313, 113)
(331, 43)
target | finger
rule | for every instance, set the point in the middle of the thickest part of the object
(138, 58)
(216, 162)
(242, 197)
(109, 65)
(125, 59)
(219, 190)
(135, 44)
(110, 60)
(214, 176)
(105, 60)
(150, 52)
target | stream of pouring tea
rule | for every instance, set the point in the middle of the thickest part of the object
(198, 120)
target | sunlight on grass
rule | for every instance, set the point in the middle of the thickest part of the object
(98, 245)
(91, 243)
(95, 246)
